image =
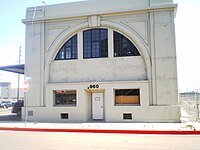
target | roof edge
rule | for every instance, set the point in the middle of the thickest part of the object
(42, 16)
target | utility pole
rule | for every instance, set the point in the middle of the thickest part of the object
(19, 74)
(197, 104)
(1, 89)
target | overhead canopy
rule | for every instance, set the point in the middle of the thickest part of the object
(14, 68)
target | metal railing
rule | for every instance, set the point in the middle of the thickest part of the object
(190, 103)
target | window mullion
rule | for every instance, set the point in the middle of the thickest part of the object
(65, 49)
(80, 45)
(91, 44)
(110, 43)
(100, 50)
(121, 45)
(71, 49)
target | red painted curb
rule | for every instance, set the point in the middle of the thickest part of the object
(101, 131)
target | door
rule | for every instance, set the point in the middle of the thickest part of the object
(97, 105)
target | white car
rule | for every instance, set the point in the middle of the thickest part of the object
(5, 104)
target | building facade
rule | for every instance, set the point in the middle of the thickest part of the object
(108, 60)
(5, 90)
(9, 93)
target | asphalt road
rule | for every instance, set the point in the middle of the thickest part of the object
(6, 115)
(91, 141)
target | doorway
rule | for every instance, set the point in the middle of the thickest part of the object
(97, 106)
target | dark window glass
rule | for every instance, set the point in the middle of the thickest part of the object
(127, 97)
(68, 50)
(127, 116)
(125, 92)
(123, 46)
(65, 98)
(64, 116)
(95, 43)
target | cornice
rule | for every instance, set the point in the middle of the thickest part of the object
(42, 18)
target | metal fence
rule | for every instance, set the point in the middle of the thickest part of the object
(190, 103)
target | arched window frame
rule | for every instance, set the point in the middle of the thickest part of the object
(69, 50)
(123, 47)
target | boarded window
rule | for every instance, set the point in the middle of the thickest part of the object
(127, 97)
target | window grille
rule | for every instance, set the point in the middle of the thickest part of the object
(95, 43)
(123, 46)
(68, 50)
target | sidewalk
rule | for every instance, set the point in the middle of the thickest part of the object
(186, 127)
(132, 128)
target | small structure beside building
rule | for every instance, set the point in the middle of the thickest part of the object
(9, 93)
(104, 60)
(5, 90)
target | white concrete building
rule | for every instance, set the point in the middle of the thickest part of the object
(9, 93)
(14, 93)
(5, 90)
(105, 60)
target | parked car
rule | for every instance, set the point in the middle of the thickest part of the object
(5, 104)
(17, 108)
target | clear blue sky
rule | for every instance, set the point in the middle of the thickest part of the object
(12, 35)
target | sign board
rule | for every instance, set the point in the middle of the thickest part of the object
(25, 86)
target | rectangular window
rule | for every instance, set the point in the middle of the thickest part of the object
(127, 97)
(95, 43)
(65, 98)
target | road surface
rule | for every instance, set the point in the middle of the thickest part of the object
(91, 141)
(6, 115)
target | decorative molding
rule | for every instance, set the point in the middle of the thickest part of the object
(52, 32)
(54, 46)
(94, 21)
(140, 27)
(52, 49)
(54, 27)
(160, 2)
(35, 12)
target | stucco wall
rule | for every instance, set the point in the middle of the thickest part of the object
(165, 58)
(149, 25)
(98, 70)
(112, 113)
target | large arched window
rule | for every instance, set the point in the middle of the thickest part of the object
(123, 46)
(95, 43)
(68, 50)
